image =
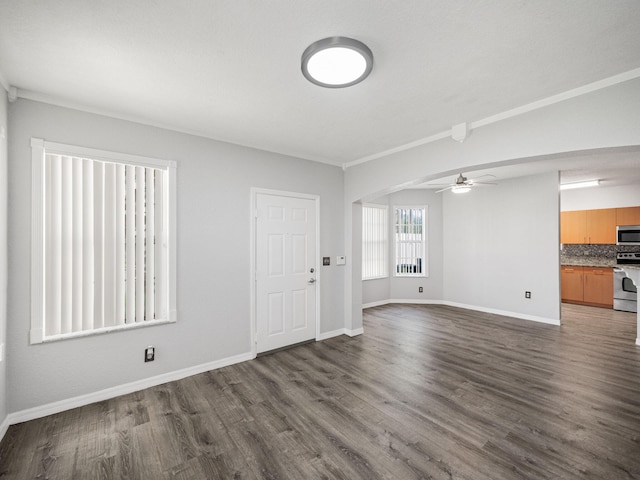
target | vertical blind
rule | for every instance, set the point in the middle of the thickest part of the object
(410, 241)
(375, 245)
(104, 260)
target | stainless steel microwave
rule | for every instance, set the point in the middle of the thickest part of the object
(628, 235)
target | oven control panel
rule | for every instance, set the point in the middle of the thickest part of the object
(628, 258)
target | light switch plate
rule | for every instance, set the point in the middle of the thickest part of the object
(341, 260)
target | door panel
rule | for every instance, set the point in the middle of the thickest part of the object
(286, 240)
(300, 303)
(276, 313)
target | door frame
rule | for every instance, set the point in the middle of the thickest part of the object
(253, 217)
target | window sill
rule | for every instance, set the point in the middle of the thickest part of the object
(98, 331)
(375, 278)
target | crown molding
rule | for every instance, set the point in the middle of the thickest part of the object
(514, 112)
(62, 102)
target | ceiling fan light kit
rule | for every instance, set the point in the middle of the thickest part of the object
(337, 62)
(463, 184)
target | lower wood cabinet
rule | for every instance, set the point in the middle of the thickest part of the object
(587, 285)
(598, 286)
(572, 284)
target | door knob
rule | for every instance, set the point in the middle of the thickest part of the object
(312, 281)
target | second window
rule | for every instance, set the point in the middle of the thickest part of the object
(410, 241)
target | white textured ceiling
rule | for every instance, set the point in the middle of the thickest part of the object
(230, 70)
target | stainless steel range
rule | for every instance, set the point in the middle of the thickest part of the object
(625, 293)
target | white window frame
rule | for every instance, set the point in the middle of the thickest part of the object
(384, 248)
(423, 246)
(39, 149)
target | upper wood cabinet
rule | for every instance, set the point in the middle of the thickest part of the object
(573, 227)
(588, 226)
(628, 216)
(601, 226)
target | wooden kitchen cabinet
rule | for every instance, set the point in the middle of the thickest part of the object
(587, 285)
(601, 226)
(572, 285)
(628, 216)
(598, 286)
(589, 226)
(573, 227)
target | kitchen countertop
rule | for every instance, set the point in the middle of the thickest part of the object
(588, 261)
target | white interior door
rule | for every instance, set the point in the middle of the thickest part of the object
(286, 271)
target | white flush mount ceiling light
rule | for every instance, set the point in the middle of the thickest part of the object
(589, 183)
(460, 189)
(337, 62)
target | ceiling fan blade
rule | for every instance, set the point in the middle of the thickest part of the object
(485, 175)
(444, 189)
(483, 183)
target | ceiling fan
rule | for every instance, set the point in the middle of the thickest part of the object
(463, 184)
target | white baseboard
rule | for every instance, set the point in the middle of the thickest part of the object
(505, 313)
(354, 332)
(407, 301)
(340, 331)
(333, 333)
(57, 407)
(4, 427)
(375, 304)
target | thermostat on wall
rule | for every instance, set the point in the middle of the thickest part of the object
(341, 260)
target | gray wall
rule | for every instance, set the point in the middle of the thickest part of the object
(213, 296)
(502, 241)
(3, 254)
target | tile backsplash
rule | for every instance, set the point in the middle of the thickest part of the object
(607, 251)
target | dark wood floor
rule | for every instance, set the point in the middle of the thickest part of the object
(427, 392)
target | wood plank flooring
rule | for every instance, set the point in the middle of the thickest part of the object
(427, 392)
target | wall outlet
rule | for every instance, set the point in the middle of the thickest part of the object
(149, 354)
(527, 294)
(420, 290)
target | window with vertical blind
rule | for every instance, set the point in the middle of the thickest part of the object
(103, 241)
(410, 241)
(375, 244)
